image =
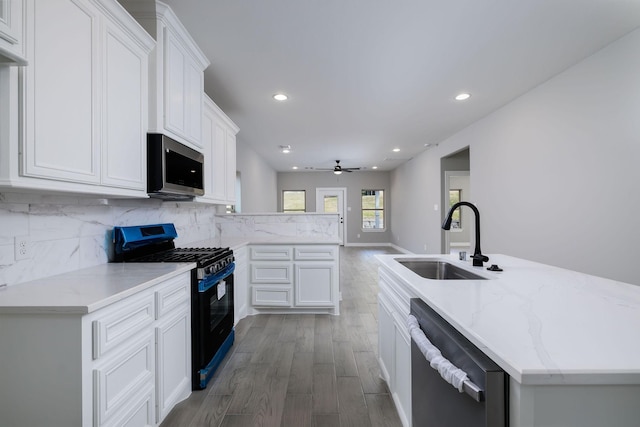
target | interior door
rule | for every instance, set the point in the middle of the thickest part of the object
(331, 200)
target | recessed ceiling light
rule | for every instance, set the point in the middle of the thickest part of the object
(294, 168)
(374, 167)
(395, 150)
(280, 97)
(463, 96)
(286, 149)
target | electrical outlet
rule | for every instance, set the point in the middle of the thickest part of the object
(22, 248)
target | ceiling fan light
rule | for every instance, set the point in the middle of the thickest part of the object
(337, 171)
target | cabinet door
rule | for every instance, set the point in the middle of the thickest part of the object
(194, 89)
(314, 284)
(386, 339)
(240, 297)
(230, 165)
(174, 105)
(402, 361)
(173, 361)
(207, 150)
(10, 29)
(62, 131)
(125, 112)
(219, 167)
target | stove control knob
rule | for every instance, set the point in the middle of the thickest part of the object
(207, 270)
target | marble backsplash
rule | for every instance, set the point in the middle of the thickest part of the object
(323, 226)
(69, 233)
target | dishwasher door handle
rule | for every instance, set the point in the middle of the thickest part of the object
(439, 363)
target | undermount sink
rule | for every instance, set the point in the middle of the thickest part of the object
(438, 270)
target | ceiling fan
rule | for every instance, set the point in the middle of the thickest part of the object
(337, 169)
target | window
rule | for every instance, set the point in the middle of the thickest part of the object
(373, 209)
(454, 197)
(293, 201)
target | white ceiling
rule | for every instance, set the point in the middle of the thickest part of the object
(365, 76)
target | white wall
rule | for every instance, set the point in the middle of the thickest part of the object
(554, 173)
(69, 233)
(259, 181)
(354, 182)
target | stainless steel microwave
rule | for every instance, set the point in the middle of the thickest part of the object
(174, 171)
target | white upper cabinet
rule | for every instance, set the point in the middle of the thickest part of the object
(124, 162)
(11, 48)
(62, 131)
(83, 101)
(219, 144)
(177, 75)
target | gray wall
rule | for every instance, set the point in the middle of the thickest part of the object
(259, 180)
(554, 173)
(354, 183)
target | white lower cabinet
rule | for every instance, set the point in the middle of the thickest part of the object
(111, 367)
(394, 345)
(173, 362)
(301, 278)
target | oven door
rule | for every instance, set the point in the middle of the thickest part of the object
(213, 324)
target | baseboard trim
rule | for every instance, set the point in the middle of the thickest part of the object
(396, 247)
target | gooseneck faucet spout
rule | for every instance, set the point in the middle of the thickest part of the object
(478, 258)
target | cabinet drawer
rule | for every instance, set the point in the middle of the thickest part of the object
(120, 322)
(271, 272)
(311, 253)
(122, 378)
(271, 296)
(176, 293)
(271, 253)
(138, 413)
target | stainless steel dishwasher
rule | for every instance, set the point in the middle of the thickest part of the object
(483, 401)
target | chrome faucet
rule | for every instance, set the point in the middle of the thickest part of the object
(478, 258)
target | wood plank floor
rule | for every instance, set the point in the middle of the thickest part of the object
(303, 370)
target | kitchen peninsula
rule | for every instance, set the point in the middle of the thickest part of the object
(568, 341)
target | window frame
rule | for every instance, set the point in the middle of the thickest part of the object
(459, 227)
(304, 198)
(381, 209)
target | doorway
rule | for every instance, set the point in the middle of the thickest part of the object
(456, 186)
(331, 200)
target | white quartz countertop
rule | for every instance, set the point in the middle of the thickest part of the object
(541, 324)
(86, 290)
(237, 242)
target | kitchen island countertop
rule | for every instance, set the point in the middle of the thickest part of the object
(543, 325)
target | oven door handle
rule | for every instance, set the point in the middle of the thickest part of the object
(208, 282)
(449, 372)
